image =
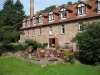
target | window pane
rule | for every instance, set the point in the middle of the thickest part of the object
(50, 30)
(40, 31)
(62, 29)
(33, 32)
(99, 6)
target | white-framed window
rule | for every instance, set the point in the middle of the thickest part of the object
(98, 5)
(51, 17)
(28, 22)
(81, 9)
(24, 23)
(34, 21)
(33, 32)
(80, 27)
(40, 31)
(63, 14)
(40, 19)
(27, 32)
(50, 30)
(62, 29)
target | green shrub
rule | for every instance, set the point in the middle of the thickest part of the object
(45, 45)
(34, 43)
(88, 42)
(69, 56)
(1, 49)
(17, 46)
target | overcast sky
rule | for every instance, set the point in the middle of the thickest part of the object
(39, 4)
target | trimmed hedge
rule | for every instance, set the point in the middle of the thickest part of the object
(17, 46)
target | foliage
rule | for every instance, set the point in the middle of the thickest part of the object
(65, 46)
(34, 43)
(29, 48)
(1, 49)
(69, 56)
(69, 3)
(48, 9)
(10, 21)
(17, 46)
(14, 66)
(89, 43)
(45, 45)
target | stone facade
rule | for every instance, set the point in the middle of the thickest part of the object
(71, 29)
(71, 26)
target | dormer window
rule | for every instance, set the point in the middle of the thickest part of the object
(81, 9)
(51, 17)
(23, 23)
(98, 5)
(34, 21)
(63, 13)
(28, 22)
(40, 19)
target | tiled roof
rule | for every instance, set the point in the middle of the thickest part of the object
(91, 11)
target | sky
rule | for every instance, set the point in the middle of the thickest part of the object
(39, 4)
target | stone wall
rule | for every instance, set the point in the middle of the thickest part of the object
(71, 29)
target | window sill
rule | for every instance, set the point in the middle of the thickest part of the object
(33, 36)
(40, 23)
(62, 34)
(63, 18)
(28, 25)
(34, 24)
(51, 21)
(40, 34)
(50, 34)
(98, 12)
(81, 15)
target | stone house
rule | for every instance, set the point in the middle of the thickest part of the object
(58, 27)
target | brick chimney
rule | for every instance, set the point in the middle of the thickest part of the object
(31, 8)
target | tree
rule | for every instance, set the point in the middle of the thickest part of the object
(48, 9)
(69, 3)
(11, 17)
(89, 43)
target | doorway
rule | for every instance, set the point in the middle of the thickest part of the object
(53, 42)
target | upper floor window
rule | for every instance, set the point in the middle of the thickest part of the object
(33, 33)
(40, 31)
(40, 19)
(51, 17)
(81, 9)
(98, 5)
(63, 13)
(28, 22)
(34, 21)
(62, 29)
(50, 30)
(81, 27)
(23, 23)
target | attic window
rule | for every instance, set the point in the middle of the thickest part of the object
(81, 9)
(34, 21)
(63, 13)
(98, 5)
(40, 19)
(51, 17)
(28, 22)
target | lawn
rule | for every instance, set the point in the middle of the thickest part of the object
(14, 66)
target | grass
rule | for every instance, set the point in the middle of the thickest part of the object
(14, 66)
